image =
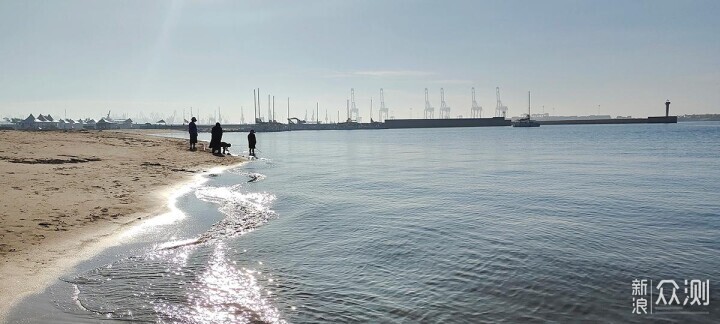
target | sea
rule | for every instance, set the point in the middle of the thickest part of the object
(566, 223)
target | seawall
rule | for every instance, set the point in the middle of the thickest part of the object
(649, 120)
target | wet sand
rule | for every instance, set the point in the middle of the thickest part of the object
(66, 193)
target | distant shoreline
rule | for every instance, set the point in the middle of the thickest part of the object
(68, 193)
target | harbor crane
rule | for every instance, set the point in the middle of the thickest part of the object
(429, 109)
(384, 111)
(444, 108)
(354, 112)
(500, 109)
(475, 110)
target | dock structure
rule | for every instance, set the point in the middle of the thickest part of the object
(454, 122)
(383, 122)
(475, 109)
(429, 109)
(500, 109)
(444, 108)
(354, 112)
(384, 111)
(649, 120)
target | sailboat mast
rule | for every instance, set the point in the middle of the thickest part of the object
(528, 104)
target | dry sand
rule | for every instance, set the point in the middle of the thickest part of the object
(65, 193)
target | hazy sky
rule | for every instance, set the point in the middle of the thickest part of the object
(577, 57)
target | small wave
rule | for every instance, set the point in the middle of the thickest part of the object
(177, 244)
(252, 176)
(256, 159)
(244, 211)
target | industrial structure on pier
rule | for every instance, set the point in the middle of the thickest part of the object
(429, 109)
(354, 114)
(444, 108)
(384, 111)
(475, 109)
(500, 109)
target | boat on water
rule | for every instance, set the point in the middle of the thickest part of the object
(526, 121)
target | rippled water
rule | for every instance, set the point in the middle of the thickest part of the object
(446, 225)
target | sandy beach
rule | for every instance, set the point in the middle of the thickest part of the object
(65, 192)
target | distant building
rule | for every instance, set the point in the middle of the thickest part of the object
(29, 123)
(41, 122)
(6, 123)
(89, 123)
(69, 124)
(105, 124)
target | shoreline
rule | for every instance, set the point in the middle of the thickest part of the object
(44, 235)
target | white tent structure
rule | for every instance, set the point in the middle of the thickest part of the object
(106, 124)
(45, 122)
(69, 124)
(90, 123)
(29, 123)
(6, 124)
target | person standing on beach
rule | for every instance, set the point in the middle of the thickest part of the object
(251, 142)
(192, 128)
(215, 139)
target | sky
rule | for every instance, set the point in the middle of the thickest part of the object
(85, 58)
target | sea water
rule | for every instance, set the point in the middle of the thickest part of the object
(461, 225)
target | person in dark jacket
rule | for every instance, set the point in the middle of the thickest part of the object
(251, 142)
(215, 139)
(192, 128)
